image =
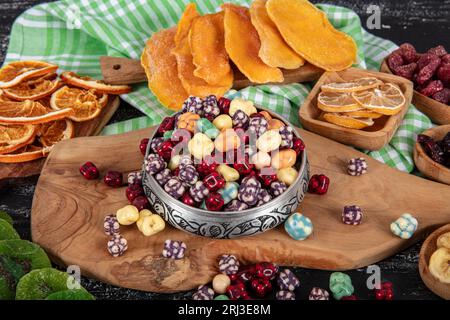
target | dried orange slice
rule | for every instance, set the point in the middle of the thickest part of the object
(32, 90)
(29, 112)
(84, 103)
(363, 113)
(337, 102)
(386, 99)
(16, 72)
(28, 153)
(353, 86)
(54, 132)
(75, 80)
(346, 121)
(13, 137)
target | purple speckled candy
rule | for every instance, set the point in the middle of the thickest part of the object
(277, 188)
(236, 205)
(199, 191)
(287, 280)
(319, 294)
(154, 144)
(249, 190)
(193, 104)
(154, 163)
(240, 119)
(258, 125)
(185, 160)
(228, 264)
(285, 295)
(111, 225)
(134, 177)
(188, 174)
(352, 215)
(210, 107)
(287, 136)
(203, 293)
(263, 197)
(174, 249)
(174, 187)
(163, 176)
(117, 245)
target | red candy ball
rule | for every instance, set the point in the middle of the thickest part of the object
(236, 291)
(214, 202)
(188, 200)
(143, 146)
(246, 273)
(133, 191)
(165, 150)
(318, 184)
(141, 203)
(244, 167)
(266, 179)
(298, 145)
(266, 270)
(166, 125)
(261, 287)
(207, 166)
(89, 171)
(113, 179)
(386, 292)
(224, 105)
(214, 181)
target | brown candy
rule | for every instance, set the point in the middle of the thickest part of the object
(284, 159)
(187, 121)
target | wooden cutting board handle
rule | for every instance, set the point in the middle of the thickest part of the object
(122, 70)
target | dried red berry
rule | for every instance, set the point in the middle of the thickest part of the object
(432, 149)
(167, 124)
(143, 146)
(318, 184)
(214, 202)
(443, 73)
(427, 65)
(395, 60)
(406, 71)
(224, 105)
(113, 179)
(206, 166)
(385, 292)
(133, 191)
(432, 88)
(439, 51)
(408, 53)
(165, 149)
(442, 96)
(214, 181)
(141, 203)
(89, 171)
(446, 58)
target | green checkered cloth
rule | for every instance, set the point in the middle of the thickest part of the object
(73, 34)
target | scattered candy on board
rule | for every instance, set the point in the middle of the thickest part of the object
(318, 184)
(341, 285)
(117, 245)
(357, 167)
(298, 226)
(319, 294)
(174, 249)
(352, 215)
(405, 226)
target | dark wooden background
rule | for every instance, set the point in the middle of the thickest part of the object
(423, 23)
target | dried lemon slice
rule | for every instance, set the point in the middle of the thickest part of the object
(16, 72)
(25, 154)
(75, 80)
(337, 102)
(352, 86)
(386, 99)
(84, 103)
(33, 89)
(53, 132)
(343, 120)
(363, 113)
(13, 137)
(29, 112)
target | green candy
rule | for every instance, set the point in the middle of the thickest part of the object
(341, 285)
(221, 297)
(205, 126)
(6, 217)
(76, 294)
(168, 134)
(7, 231)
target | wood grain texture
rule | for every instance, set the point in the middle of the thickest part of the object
(69, 226)
(428, 248)
(128, 71)
(370, 138)
(83, 129)
(425, 164)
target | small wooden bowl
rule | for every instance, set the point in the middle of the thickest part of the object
(425, 164)
(428, 247)
(371, 138)
(438, 112)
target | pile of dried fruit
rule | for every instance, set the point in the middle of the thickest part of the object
(357, 103)
(38, 108)
(438, 151)
(429, 71)
(440, 260)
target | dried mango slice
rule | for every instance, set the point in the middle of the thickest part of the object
(206, 40)
(161, 69)
(274, 51)
(242, 44)
(193, 85)
(307, 30)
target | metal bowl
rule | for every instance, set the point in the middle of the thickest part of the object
(227, 225)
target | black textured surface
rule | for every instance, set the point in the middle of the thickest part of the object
(423, 23)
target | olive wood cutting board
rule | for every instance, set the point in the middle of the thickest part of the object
(129, 71)
(83, 129)
(68, 212)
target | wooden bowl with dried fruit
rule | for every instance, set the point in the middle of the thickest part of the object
(434, 262)
(431, 75)
(357, 107)
(430, 154)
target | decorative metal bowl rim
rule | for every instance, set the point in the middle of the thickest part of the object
(231, 214)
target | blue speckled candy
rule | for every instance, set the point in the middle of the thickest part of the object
(205, 126)
(341, 285)
(298, 226)
(405, 226)
(229, 192)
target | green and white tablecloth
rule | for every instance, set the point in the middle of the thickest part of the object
(74, 33)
